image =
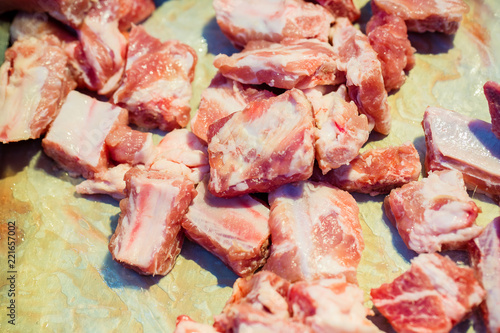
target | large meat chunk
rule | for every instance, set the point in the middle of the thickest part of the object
(315, 232)
(435, 213)
(34, 82)
(272, 20)
(134, 11)
(432, 296)
(365, 82)
(110, 181)
(268, 144)
(455, 141)
(492, 93)
(148, 237)
(426, 15)
(235, 230)
(157, 84)
(485, 255)
(127, 145)
(341, 8)
(222, 98)
(302, 64)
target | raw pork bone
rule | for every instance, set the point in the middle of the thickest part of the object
(432, 296)
(111, 182)
(272, 20)
(389, 38)
(492, 93)
(315, 232)
(455, 141)
(426, 15)
(76, 139)
(340, 131)
(184, 324)
(268, 144)
(222, 98)
(148, 237)
(485, 256)
(34, 82)
(377, 171)
(365, 82)
(130, 146)
(435, 213)
(156, 88)
(341, 8)
(303, 63)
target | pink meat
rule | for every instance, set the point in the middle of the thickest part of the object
(455, 141)
(222, 98)
(485, 256)
(156, 88)
(435, 213)
(388, 37)
(492, 93)
(148, 237)
(341, 8)
(34, 82)
(39, 25)
(268, 144)
(426, 15)
(302, 64)
(432, 296)
(126, 145)
(378, 171)
(365, 82)
(184, 324)
(272, 20)
(110, 181)
(315, 232)
(134, 11)
(235, 230)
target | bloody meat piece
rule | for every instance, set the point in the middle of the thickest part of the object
(341, 8)
(432, 296)
(435, 213)
(156, 88)
(110, 181)
(126, 145)
(492, 93)
(268, 144)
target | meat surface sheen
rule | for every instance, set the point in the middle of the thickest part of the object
(38, 25)
(315, 232)
(492, 93)
(341, 8)
(272, 20)
(126, 145)
(435, 213)
(433, 296)
(268, 144)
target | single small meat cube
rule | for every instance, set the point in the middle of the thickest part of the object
(341, 8)
(34, 82)
(485, 256)
(110, 181)
(455, 141)
(76, 139)
(126, 145)
(492, 93)
(432, 296)
(340, 131)
(378, 171)
(272, 20)
(389, 38)
(156, 88)
(365, 82)
(134, 11)
(426, 15)
(315, 232)
(268, 144)
(222, 98)
(302, 64)
(184, 324)
(235, 230)
(435, 213)
(148, 237)
(38, 25)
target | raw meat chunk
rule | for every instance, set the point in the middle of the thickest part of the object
(268, 144)
(223, 97)
(38, 25)
(184, 324)
(432, 296)
(492, 93)
(34, 82)
(302, 64)
(272, 20)
(434, 213)
(455, 141)
(134, 11)
(110, 181)
(315, 232)
(156, 88)
(485, 256)
(389, 38)
(235, 230)
(341, 8)
(378, 171)
(76, 139)
(340, 131)
(148, 237)
(126, 145)
(426, 15)
(365, 82)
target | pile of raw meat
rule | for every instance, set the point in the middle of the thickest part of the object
(262, 180)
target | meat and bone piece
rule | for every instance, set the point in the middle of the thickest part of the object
(492, 93)
(341, 8)
(126, 145)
